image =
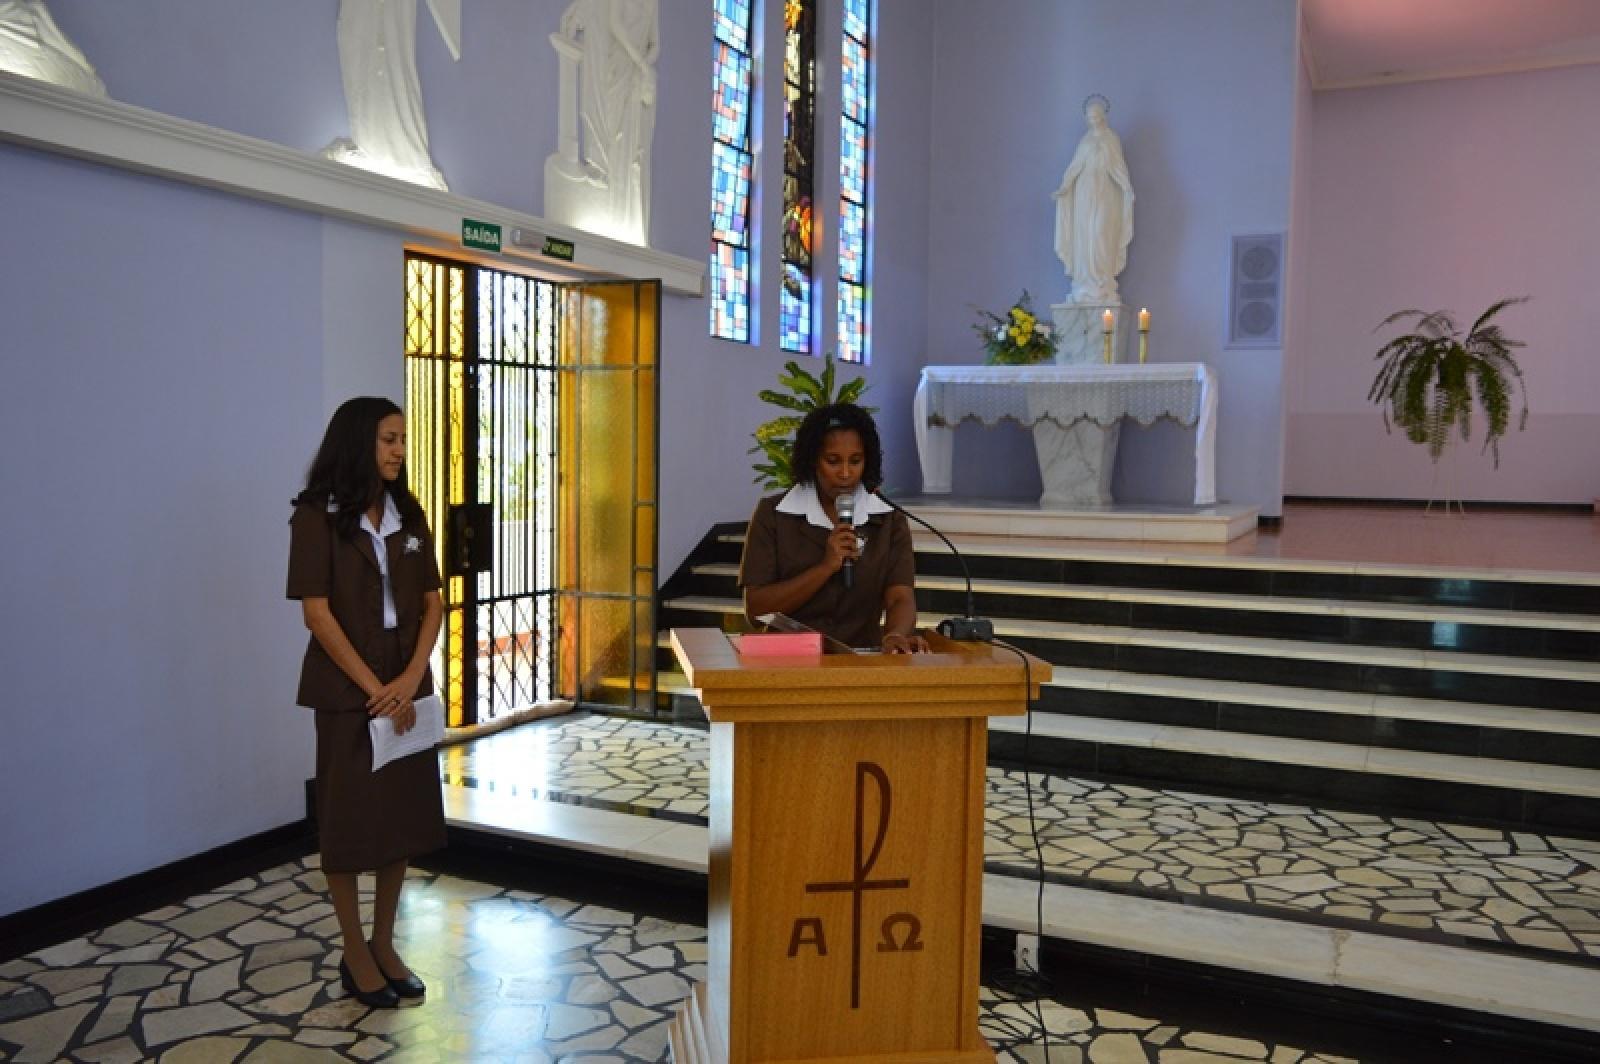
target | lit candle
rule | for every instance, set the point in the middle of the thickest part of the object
(1144, 320)
(1108, 320)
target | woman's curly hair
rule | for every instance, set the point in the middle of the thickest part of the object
(815, 428)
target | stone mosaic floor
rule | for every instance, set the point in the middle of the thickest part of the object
(1400, 874)
(249, 973)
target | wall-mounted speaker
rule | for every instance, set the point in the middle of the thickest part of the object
(1255, 296)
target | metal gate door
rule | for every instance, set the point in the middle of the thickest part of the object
(531, 405)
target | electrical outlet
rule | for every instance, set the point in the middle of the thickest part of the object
(1028, 953)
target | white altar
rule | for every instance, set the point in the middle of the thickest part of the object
(1075, 413)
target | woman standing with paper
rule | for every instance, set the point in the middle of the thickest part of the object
(361, 564)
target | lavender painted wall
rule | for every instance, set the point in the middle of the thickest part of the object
(1202, 94)
(210, 336)
(1500, 202)
(163, 391)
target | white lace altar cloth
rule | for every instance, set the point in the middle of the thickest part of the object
(1185, 392)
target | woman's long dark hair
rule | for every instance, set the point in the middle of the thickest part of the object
(815, 428)
(346, 467)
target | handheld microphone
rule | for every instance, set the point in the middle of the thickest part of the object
(970, 628)
(845, 507)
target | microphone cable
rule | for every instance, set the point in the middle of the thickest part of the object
(970, 628)
(1019, 983)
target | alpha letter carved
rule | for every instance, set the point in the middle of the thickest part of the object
(799, 937)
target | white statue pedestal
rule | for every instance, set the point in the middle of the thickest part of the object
(1075, 464)
(1081, 332)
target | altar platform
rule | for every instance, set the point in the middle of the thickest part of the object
(1220, 523)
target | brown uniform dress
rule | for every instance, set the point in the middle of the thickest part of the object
(365, 819)
(778, 546)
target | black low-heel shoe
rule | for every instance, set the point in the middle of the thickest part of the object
(408, 989)
(382, 998)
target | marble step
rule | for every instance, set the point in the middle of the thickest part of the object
(1305, 753)
(1061, 564)
(1521, 986)
(1251, 646)
(1314, 700)
(1252, 603)
(1539, 634)
(1288, 699)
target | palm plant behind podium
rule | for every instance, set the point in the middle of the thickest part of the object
(804, 393)
(1430, 378)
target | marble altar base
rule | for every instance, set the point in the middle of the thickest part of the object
(1075, 464)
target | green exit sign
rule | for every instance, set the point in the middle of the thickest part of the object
(556, 248)
(485, 236)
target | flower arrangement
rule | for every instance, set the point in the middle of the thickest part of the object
(1017, 338)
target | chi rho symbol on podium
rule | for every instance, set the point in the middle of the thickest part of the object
(901, 932)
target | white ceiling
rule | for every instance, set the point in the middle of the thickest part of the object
(1354, 43)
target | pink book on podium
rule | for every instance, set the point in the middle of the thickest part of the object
(780, 644)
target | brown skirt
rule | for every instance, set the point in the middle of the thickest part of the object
(367, 819)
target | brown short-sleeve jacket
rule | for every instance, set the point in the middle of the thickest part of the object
(323, 564)
(778, 546)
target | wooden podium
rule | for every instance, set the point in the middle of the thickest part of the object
(846, 875)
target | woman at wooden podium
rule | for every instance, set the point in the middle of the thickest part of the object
(853, 580)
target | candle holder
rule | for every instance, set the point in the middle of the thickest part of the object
(1144, 345)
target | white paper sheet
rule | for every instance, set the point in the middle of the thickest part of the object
(427, 733)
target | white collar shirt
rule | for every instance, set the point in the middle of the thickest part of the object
(389, 525)
(803, 501)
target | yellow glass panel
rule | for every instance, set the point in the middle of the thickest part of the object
(605, 644)
(570, 481)
(645, 434)
(605, 525)
(644, 540)
(608, 325)
(607, 457)
(648, 334)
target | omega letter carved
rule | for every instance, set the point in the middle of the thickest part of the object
(901, 932)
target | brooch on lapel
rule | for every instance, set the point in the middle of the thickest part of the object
(413, 544)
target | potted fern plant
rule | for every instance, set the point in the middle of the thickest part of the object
(802, 394)
(1431, 379)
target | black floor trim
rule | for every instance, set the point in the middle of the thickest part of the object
(78, 914)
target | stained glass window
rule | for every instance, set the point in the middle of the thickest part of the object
(731, 164)
(795, 299)
(855, 133)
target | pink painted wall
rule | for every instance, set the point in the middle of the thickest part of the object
(1451, 194)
